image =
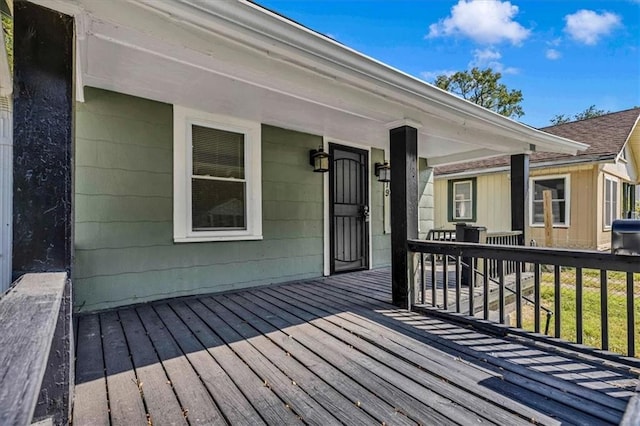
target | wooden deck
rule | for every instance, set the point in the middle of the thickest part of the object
(327, 351)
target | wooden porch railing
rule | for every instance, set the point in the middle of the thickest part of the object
(441, 235)
(575, 283)
(35, 350)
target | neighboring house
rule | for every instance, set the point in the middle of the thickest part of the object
(589, 190)
(193, 126)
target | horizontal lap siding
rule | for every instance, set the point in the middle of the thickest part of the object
(124, 211)
(381, 242)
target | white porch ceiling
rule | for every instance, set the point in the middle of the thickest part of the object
(232, 58)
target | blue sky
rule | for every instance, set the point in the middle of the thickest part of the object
(564, 55)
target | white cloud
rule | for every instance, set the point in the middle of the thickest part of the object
(430, 76)
(587, 26)
(490, 58)
(484, 21)
(552, 54)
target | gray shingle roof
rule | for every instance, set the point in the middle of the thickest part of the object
(605, 136)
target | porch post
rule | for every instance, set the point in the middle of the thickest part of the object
(404, 207)
(520, 195)
(42, 178)
(42, 148)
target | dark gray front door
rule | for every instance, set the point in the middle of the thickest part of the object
(349, 208)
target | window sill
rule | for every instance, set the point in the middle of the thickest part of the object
(217, 239)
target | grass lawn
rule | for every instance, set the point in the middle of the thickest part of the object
(591, 307)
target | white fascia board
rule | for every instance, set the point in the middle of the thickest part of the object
(253, 24)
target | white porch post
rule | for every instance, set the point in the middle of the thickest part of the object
(6, 191)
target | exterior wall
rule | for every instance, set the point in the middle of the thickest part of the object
(584, 210)
(426, 214)
(380, 241)
(617, 170)
(124, 210)
(494, 206)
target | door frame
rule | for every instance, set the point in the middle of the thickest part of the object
(327, 219)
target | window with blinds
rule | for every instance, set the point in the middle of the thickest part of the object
(217, 177)
(218, 185)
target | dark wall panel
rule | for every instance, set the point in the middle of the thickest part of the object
(43, 90)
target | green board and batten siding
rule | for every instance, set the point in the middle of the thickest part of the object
(124, 209)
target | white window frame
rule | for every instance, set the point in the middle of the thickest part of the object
(567, 199)
(454, 201)
(607, 179)
(183, 119)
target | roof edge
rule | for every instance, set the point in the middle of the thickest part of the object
(269, 27)
(538, 165)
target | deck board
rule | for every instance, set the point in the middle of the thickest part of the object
(356, 394)
(91, 406)
(494, 352)
(161, 401)
(328, 351)
(224, 391)
(267, 404)
(197, 405)
(126, 405)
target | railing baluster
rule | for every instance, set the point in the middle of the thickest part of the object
(501, 291)
(445, 281)
(423, 284)
(557, 299)
(458, 282)
(579, 310)
(518, 296)
(631, 331)
(500, 261)
(604, 310)
(472, 285)
(485, 290)
(434, 281)
(536, 297)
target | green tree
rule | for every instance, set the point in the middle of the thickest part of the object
(7, 29)
(483, 87)
(589, 112)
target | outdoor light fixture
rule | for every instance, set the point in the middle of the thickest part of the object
(319, 160)
(383, 172)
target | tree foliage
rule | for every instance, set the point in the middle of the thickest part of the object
(7, 28)
(483, 87)
(589, 112)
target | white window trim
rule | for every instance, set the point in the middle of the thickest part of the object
(453, 196)
(606, 227)
(183, 119)
(567, 192)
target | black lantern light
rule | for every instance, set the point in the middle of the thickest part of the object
(383, 172)
(319, 160)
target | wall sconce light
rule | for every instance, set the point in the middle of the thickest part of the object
(319, 160)
(383, 172)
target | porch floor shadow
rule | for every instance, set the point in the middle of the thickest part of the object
(327, 351)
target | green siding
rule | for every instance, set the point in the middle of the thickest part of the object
(124, 210)
(381, 242)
